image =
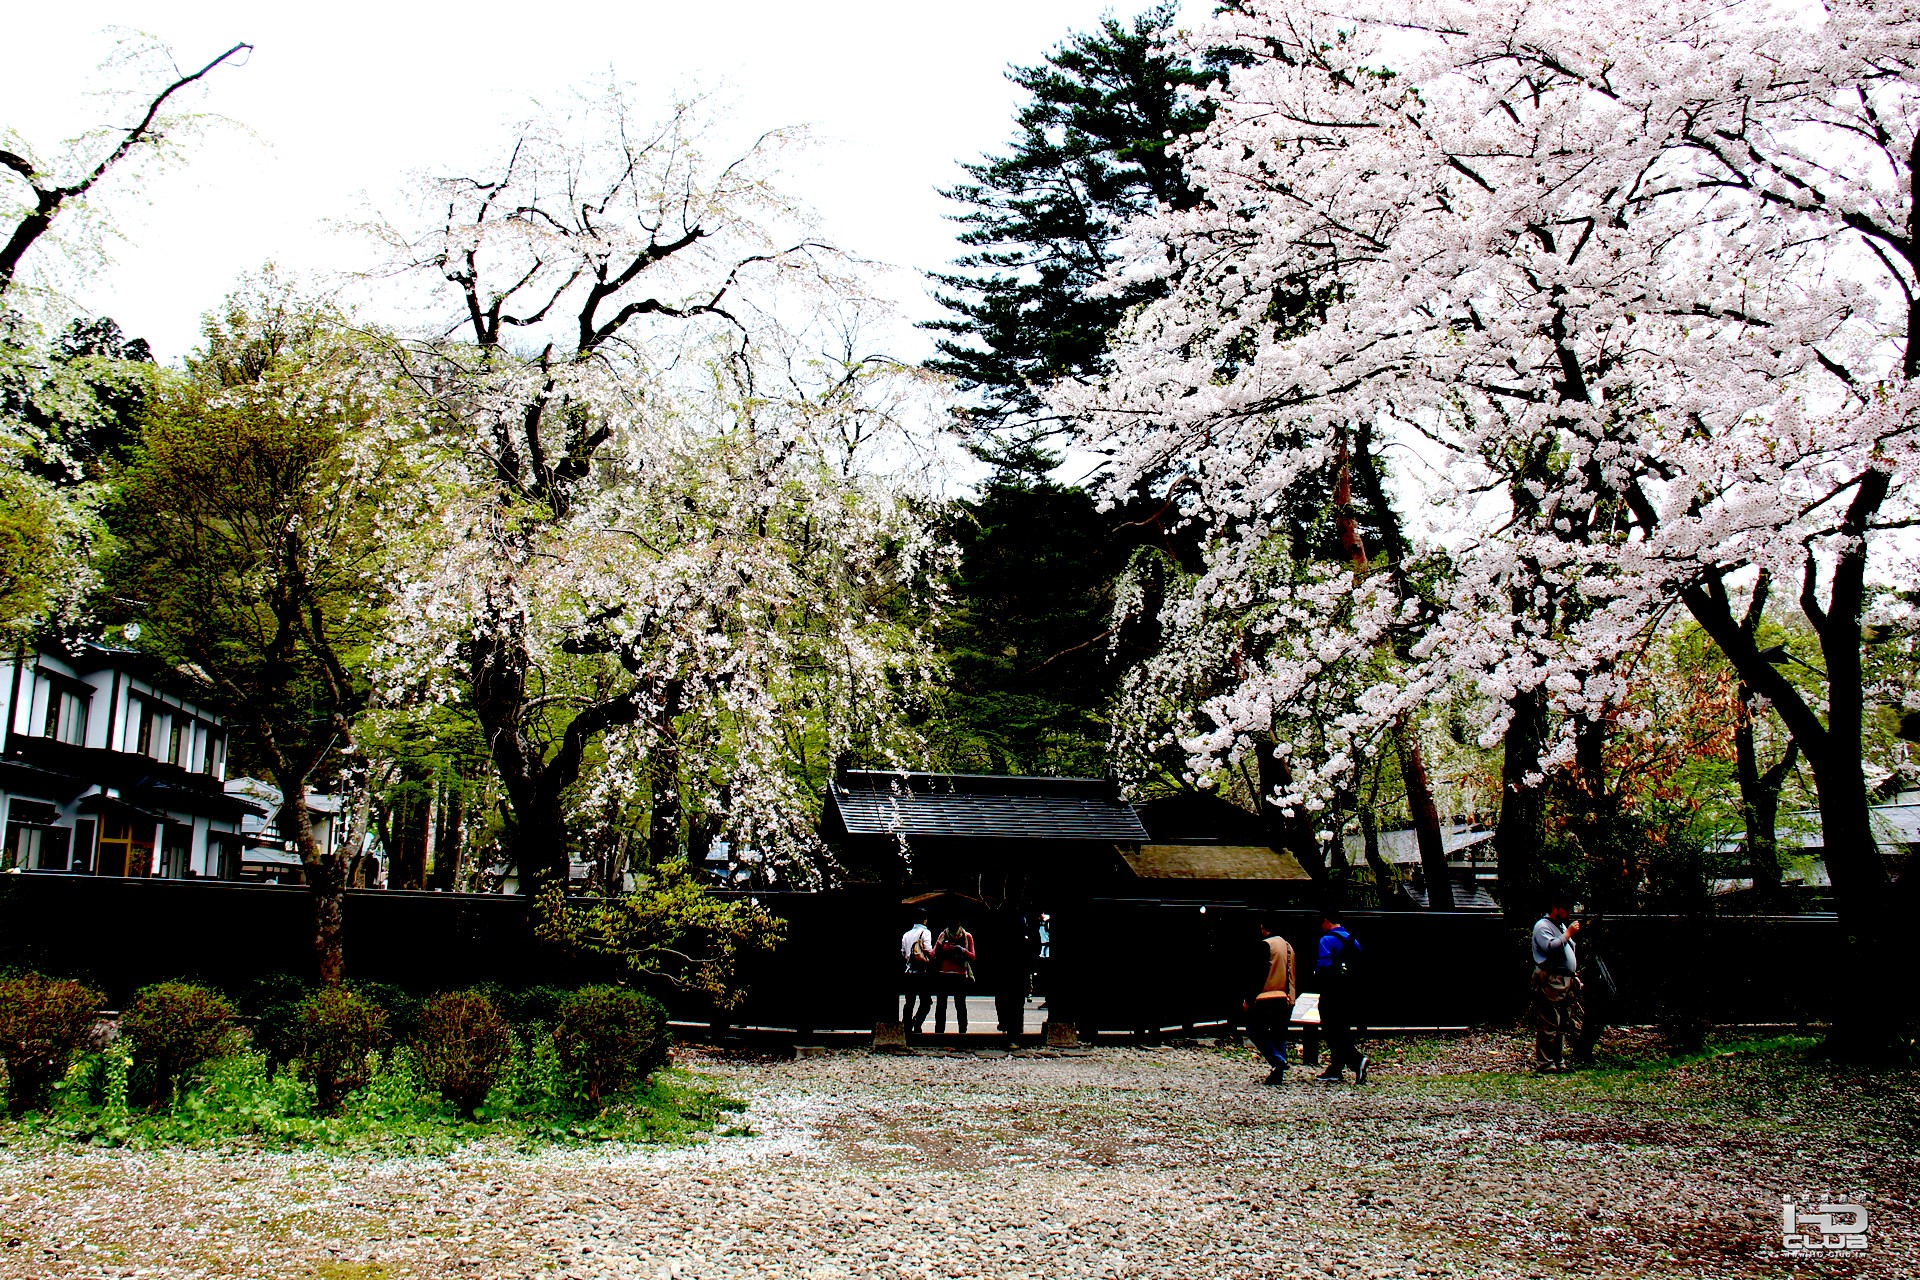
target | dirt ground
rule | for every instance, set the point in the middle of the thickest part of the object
(1134, 1162)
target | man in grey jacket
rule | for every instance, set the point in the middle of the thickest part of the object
(1554, 1008)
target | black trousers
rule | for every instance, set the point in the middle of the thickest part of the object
(1267, 1027)
(916, 1000)
(955, 985)
(1337, 1024)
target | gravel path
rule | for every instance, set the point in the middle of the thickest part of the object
(1121, 1163)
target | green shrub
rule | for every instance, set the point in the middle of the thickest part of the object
(460, 1045)
(273, 1002)
(532, 1006)
(42, 1022)
(173, 1027)
(401, 1007)
(339, 1028)
(612, 1038)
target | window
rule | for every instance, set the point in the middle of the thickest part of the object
(179, 739)
(82, 859)
(176, 851)
(36, 848)
(140, 726)
(223, 854)
(66, 716)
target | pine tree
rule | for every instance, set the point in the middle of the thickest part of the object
(1091, 150)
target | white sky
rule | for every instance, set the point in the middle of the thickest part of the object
(340, 101)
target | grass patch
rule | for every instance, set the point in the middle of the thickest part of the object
(241, 1101)
(1734, 1080)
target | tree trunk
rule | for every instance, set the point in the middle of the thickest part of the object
(410, 832)
(1392, 894)
(1760, 803)
(1867, 1023)
(535, 831)
(449, 838)
(1413, 767)
(1759, 791)
(1293, 833)
(326, 879)
(1426, 817)
(663, 769)
(1517, 838)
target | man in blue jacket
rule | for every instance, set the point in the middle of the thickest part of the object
(1337, 966)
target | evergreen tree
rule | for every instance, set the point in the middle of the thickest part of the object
(1091, 151)
(1026, 644)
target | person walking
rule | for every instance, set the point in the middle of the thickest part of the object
(1554, 1005)
(1336, 968)
(1011, 944)
(916, 960)
(1042, 952)
(1270, 1009)
(953, 957)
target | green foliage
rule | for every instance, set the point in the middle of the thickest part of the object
(244, 532)
(273, 1002)
(400, 1007)
(612, 1038)
(670, 930)
(81, 398)
(1024, 641)
(1090, 150)
(173, 1027)
(339, 1029)
(68, 409)
(38, 538)
(242, 1101)
(527, 1008)
(43, 1022)
(460, 1045)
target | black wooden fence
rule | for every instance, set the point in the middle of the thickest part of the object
(1118, 964)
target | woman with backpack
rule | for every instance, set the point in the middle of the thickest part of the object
(953, 957)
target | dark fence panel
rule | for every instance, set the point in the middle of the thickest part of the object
(1136, 965)
(121, 934)
(1117, 965)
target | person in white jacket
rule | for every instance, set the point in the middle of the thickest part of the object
(916, 962)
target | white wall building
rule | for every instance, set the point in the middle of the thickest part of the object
(108, 767)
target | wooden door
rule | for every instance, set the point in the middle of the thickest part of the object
(126, 846)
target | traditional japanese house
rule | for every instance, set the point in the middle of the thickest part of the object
(1199, 846)
(1016, 841)
(110, 767)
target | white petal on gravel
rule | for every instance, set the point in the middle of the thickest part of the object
(1123, 1163)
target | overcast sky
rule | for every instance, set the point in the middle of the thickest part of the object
(341, 100)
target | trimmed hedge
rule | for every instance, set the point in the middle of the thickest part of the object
(338, 1029)
(461, 1044)
(612, 1038)
(173, 1027)
(43, 1022)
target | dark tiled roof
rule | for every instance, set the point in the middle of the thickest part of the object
(1200, 817)
(983, 806)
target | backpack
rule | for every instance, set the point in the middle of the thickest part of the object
(1349, 960)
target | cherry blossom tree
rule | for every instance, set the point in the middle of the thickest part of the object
(671, 550)
(1633, 285)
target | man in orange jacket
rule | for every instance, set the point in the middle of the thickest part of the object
(1270, 1009)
